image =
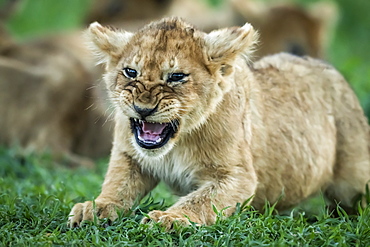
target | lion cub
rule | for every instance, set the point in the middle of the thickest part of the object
(192, 112)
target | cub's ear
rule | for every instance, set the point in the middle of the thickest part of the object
(107, 43)
(222, 46)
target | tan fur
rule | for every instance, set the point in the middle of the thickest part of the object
(283, 127)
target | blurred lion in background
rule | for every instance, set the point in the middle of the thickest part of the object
(288, 27)
(48, 101)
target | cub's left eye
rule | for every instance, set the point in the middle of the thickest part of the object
(177, 77)
(130, 73)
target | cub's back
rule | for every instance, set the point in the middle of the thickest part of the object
(298, 108)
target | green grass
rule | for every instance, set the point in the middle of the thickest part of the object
(37, 195)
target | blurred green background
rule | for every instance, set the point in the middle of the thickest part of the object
(33, 18)
(349, 50)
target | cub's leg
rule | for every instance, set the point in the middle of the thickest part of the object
(351, 174)
(222, 193)
(352, 167)
(123, 185)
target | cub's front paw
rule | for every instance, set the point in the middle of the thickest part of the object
(166, 219)
(86, 211)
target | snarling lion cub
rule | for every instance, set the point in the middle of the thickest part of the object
(190, 111)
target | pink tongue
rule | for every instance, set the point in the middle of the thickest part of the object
(153, 128)
(151, 131)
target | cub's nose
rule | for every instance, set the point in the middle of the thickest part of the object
(144, 112)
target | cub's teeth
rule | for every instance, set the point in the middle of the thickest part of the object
(152, 142)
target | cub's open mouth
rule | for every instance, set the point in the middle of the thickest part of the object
(153, 135)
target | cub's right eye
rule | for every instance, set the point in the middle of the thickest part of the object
(130, 73)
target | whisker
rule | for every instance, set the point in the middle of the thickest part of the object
(91, 87)
(89, 107)
(109, 118)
